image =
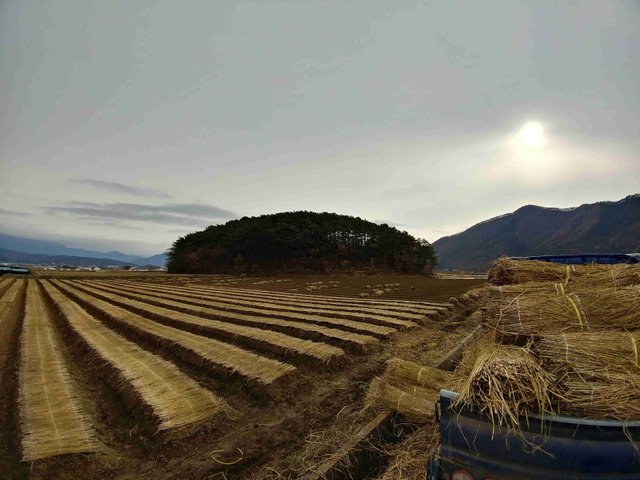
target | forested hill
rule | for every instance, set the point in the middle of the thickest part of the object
(300, 242)
(603, 227)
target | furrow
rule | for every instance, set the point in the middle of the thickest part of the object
(10, 306)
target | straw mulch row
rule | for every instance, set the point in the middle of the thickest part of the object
(282, 303)
(246, 313)
(153, 383)
(52, 419)
(205, 350)
(317, 350)
(204, 307)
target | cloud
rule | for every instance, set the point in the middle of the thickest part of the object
(188, 214)
(12, 213)
(120, 187)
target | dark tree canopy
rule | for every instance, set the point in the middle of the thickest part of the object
(300, 242)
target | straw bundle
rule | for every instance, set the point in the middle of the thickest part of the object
(421, 375)
(619, 275)
(505, 383)
(614, 395)
(415, 403)
(545, 313)
(600, 353)
(505, 271)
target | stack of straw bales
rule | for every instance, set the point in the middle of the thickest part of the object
(581, 324)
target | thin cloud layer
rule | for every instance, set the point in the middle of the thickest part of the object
(188, 214)
(120, 188)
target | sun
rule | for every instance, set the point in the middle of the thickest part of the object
(532, 135)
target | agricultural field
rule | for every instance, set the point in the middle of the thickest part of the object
(173, 376)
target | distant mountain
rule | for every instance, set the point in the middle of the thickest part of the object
(533, 230)
(11, 256)
(46, 247)
(159, 260)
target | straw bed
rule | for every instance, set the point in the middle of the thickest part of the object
(283, 303)
(10, 306)
(272, 308)
(317, 350)
(239, 313)
(395, 305)
(52, 420)
(175, 399)
(248, 364)
(301, 328)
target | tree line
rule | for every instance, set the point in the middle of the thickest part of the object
(300, 242)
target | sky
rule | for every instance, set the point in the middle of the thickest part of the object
(124, 125)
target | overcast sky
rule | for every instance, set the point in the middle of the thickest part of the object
(127, 124)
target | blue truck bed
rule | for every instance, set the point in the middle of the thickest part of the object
(574, 448)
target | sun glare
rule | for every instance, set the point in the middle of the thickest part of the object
(532, 135)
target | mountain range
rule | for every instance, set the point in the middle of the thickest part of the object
(28, 250)
(603, 227)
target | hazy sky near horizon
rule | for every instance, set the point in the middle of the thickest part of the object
(124, 125)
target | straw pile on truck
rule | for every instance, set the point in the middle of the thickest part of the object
(557, 339)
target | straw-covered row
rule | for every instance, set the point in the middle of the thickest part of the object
(52, 419)
(294, 328)
(269, 308)
(284, 303)
(10, 309)
(173, 398)
(324, 300)
(251, 315)
(208, 351)
(268, 338)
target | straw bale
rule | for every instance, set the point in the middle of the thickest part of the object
(230, 300)
(614, 395)
(538, 313)
(175, 399)
(415, 403)
(242, 313)
(505, 271)
(318, 350)
(402, 371)
(177, 302)
(52, 419)
(505, 383)
(592, 353)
